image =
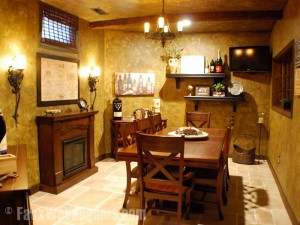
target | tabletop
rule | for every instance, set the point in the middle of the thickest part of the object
(203, 153)
(19, 183)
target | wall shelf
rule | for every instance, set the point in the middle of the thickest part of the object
(233, 99)
(179, 76)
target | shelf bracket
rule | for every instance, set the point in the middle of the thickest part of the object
(234, 106)
(177, 83)
(196, 105)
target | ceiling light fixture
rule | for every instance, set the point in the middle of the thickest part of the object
(163, 31)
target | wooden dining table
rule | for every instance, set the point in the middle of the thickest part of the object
(198, 152)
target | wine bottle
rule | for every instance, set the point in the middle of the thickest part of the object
(206, 70)
(219, 63)
(3, 140)
(212, 66)
(117, 108)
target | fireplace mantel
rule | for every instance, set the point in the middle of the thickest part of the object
(53, 131)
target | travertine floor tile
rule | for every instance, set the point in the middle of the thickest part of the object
(253, 196)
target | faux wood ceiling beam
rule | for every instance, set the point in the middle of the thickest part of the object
(194, 17)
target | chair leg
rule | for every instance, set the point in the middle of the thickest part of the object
(143, 211)
(220, 184)
(128, 184)
(137, 186)
(219, 203)
(188, 204)
(179, 213)
(227, 178)
(224, 190)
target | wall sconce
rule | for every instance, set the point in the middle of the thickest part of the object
(15, 77)
(93, 78)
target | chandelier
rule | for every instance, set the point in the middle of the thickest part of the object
(163, 31)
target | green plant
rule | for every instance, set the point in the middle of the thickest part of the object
(286, 103)
(173, 51)
(218, 87)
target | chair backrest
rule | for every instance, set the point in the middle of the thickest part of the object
(226, 143)
(128, 133)
(159, 151)
(198, 119)
(144, 125)
(156, 122)
(141, 113)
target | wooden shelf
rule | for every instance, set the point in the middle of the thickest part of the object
(233, 99)
(178, 76)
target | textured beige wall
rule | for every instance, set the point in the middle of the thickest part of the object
(131, 52)
(19, 35)
(284, 141)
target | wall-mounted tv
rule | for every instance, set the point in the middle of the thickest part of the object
(250, 59)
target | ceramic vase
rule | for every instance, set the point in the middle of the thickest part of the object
(173, 64)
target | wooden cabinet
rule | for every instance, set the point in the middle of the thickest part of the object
(14, 194)
(54, 132)
(218, 77)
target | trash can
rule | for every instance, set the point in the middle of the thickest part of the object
(244, 150)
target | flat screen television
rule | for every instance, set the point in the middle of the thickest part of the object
(250, 59)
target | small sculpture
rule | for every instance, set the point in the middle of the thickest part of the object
(190, 88)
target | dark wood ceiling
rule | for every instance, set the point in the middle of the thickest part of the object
(205, 15)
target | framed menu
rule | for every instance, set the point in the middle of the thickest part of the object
(57, 80)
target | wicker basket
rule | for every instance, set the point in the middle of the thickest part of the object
(242, 155)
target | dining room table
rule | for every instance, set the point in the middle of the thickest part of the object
(202, 151)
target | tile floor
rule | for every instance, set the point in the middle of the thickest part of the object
(253, 199)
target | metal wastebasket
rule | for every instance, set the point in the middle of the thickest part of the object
(244, 150)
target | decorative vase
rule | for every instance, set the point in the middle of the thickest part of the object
(173, 63)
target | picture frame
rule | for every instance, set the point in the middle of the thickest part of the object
(192, 64)
(57, 80)
(202, 90)
(134, 84)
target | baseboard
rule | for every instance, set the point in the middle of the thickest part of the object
(284, 199)
(34, 189)
(104, 156)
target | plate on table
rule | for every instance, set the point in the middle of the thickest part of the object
(189, 133)
(236, 88)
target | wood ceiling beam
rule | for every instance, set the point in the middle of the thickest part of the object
(194, 17)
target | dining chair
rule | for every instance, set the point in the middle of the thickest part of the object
(128, 133)
(144, 125)
(158, 184)
(157, 123)
(141, 113)
(213, 180)
(198, 119)
(231, 126)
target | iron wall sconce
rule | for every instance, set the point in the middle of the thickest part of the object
(15, 77)
(93, 79)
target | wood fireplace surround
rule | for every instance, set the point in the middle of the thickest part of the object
(54, 132)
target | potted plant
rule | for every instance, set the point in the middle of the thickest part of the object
(173, 54)
(218, 90)
(285, 103)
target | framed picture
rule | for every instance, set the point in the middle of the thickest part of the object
(134, 84)
(202, 91)
(57, 80)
